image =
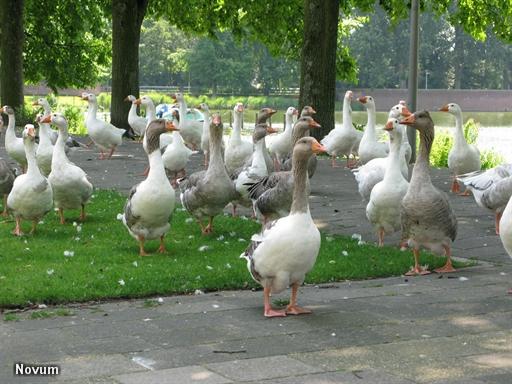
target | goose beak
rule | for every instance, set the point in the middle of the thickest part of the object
(295, 112)
(35, 103)
(312, 111)
(409, 120)
(405, 112)
(271, 111)
(314, 124)
(46, 119)
(169, 126)
(271, 130)
(444, 108)
(216, 120)
(31, 132)
(138, 101)
(2, 110)
(389, 126)
(240, 108)
(363, 99)
(317, 147)
(85, 97)
(174, 96)
(199, 107)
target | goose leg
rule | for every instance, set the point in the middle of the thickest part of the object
(234, 209)
(417, 269)
(209, 227)
(82, 213)
(333, 162)
(269, 312)
(112, 151)
(34, 225)
(448, 267)
(17, 229)
(102, 155)
(381, 237)
(455, 186)
(61, 215)
(4, 213)
(162, 249)
(467, 192)
(497, 218)
(142, 252)
(293, 308)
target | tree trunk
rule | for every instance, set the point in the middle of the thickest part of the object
(127, 17)
(318, 62)
(11, 53)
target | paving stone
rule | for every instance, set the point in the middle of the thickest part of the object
(262, 368)
(185, 375)
(356, 377)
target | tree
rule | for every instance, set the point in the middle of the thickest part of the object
(127, 17)
(11, 53)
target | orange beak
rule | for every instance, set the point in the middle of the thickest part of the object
(409, 120)
(295, 112)
(405, 112)
(31, 132)
(444, 108)
(216, 120)
(314, 124)
(272, 111)
(85, 97)
(240, 108)
(199, 107)
(138, 101)
(271, 130)
(174, 96)
(169, 126)
(317, 147)
(46, 119)
(35, 103)
(389, 125)
(363, 99)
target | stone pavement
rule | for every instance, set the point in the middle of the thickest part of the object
(431, 329)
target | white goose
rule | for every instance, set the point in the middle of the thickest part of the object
(31, 196)
(138, 123)
(190, 130)
(71, 188)
(149, 207)
(370, 148)
(238, 151)
(340, 141)
(287, 249)
(463, 157)
(44, 150)
(103, 134)
(383, 209)
(42, 102)
(280, 145)
(14, 145)
(371, 173)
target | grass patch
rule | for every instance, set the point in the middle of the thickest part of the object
(99, 260)
(11, 317)
(59, 312)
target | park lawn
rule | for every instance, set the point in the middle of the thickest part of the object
(99, 260)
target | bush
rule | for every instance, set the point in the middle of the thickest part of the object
(25, 115)
(104, 101)
(75, 118)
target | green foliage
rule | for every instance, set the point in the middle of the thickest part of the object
(11, 317)
(49, 314)
(490, 159)
(440, 149)
(75, 118)
(104, 101)
(25, 115)
(471, 128)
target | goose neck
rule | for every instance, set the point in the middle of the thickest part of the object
(370, 125)
(300, 203)
(393, 169)
(156, 166)
(9, 133)
(32, 168)
(44, 134)
(237, 126)
(347, 114)
(59, 150)
(421, 170)
(216, 163)
(459, 130)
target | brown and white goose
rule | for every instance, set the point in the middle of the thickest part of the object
(31, 196)
(426, 215)
(205, 193)
(149, 207)
(287, 249)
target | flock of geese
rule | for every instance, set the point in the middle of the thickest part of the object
(270, 174)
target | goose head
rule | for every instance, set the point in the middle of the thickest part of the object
(307, 111)
(203, 107)
(399, 110)
(238, 108)
(451, 108)
(90, 97)
(29, 133)
(178, 97)
(57, 119)
(349, 95)
(394, 129)
(7, 110)
(216, 128)
(131, 99)
(42, 102)
(144, 100)
(367, 101)
(303, 124)
(153, 132)
(422, 122)
(261, 130)
(264, 114)
(306, 147)
(292, 111)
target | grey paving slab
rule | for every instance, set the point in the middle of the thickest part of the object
(185, 375)
(262, 368)
(356, 377)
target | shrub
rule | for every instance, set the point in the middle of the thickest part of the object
(104, 101)
(25, 115)
(75, 118)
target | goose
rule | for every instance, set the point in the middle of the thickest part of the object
(14, 146)
(204, 194)
(340, 141)
(103, 134)
(6, 178)
(258, 167)
(147, 102)
(71, 188)
(282, 254)
(272, 195)
(426, 215)
(44, 150)
(491, 189)
(136, 122)
(383, 209)
(371, 173)
(280, 145)
(150, 204)
(190, 130)
(205, 137)
(370, 148)
(43, 102)
(31, 196)
(401, 110)
(506, 231)
(176, 156)
(238, 151)
(463, 157)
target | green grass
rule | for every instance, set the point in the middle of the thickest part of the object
(102, 260)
